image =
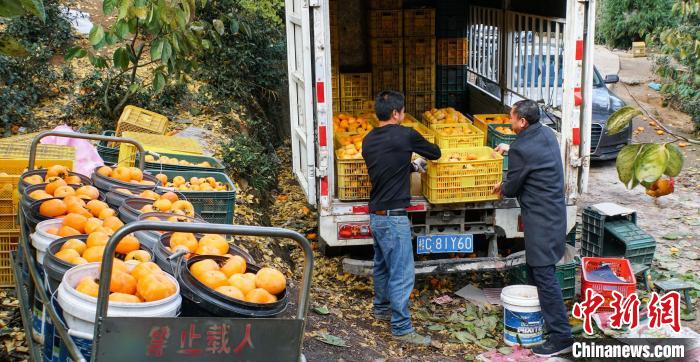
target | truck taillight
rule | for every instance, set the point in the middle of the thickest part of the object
(521, 225)
(354, 230)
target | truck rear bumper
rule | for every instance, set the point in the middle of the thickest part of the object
(442, 266)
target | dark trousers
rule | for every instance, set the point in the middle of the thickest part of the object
(551, 301)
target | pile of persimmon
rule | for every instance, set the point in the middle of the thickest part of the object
(76, 203)
(132, 175)
(231, 280)
(208, 244)
(76, 251)
(170, 203)
(83, 218)
(58, 187)
(52, 173)
(146, 194)
(193, 184)
(174, 161)
(146, 282)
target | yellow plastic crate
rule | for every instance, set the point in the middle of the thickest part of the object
(450, 116)
(156, 143)
(355, 85)
(338, 135)
(470, 137)
(22, 138)
(352, 179)
(135, 119)
(353, 105)
(10, 150)
(482, 121)
(426, 132)
(8, 243)
(465, 180)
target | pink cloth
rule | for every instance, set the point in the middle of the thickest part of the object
(86, 156)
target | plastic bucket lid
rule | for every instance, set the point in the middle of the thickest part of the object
(520, 296)
(200, 300)
(42, 239)
(79, 309)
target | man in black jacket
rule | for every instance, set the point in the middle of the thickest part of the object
(387, 151)
(536, 177)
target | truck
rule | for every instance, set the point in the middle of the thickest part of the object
(517, 49)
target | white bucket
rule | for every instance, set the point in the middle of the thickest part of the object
(41, 239)
(79, 309)
(523, 323)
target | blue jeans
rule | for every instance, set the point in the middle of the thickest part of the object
(393, 269)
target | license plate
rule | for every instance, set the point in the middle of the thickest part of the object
(459, 243)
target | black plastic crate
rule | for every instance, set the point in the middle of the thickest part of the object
(565, 274)
(594, 230)
(623, 238)
(573, 235)
(451, 78)
(456, 100)
(451, 20)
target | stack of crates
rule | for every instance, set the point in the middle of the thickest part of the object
(355, 90)
(453, 51)
(419, 59)
(335, 55)
(156, 143)
(616, 235)
(386, 45)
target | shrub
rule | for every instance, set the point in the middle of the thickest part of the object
(246, 158)
(620, 22)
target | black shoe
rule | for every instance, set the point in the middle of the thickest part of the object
(552, 348)
(386, 317)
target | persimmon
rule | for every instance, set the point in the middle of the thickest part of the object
(57, 171)
(124, 298)
(39, 195)
(163, 179)
(106, 213)
(170, 196)
(155, 286)
(76, 221)
(147, 208)
(75, 244)
(231, 292)
(35, 180)
(53, 184)
(96, 206)
(63, 191)
(91, 224)
(76, 208)
(234, 265)
(52, 231)
(78, 261)
(122, 282)
(87, 285)
(105, 171)
(260, 296)
(135, 173)
(53, 208)
(97, 238)
(94, 254)
(118, 265)
(186, 240)
(112, 222)
(271, 280)
(148, 194)
(88, 192)
(124, 191)
(73, 199)
(128, 244)
(105, 230)
(212, 278)
(244, 284)
(201, 266)
(122, 174)
(185, 207)
(178, 180)
(139, 255)
(145, 268)
(65, 231)
(217, 242)
(67, 255)
(162, 205)
(207, 250)
(73, 180)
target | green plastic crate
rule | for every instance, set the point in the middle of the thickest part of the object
(216, 165)
(216, 207)
(565, 273)
(495, 138)
(624, 238)
(593, 230)
(108, 154)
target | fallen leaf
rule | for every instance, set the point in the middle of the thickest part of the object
(671, 236)
(505, 350)
(436, 327)
(322, 310)
(328, 338)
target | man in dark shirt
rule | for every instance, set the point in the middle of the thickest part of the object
(387, 151)
(536, 177)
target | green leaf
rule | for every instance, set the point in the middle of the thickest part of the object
(218, 26)
(134, 88)
(206, 44)
(488, 342)
(121, 29)
(121, 58)
(156, 49)
(505, 351)
(675, 160)
(625, 162)
(111, 38)
(181, 19)
(621, 119)
(436, 327)
(464, 337)
(75, 52)
(140, 12)
(36, 8)
(651, 163)
(97, 62)
(322, 310)
(234, 26)
(167, 51)
(671, 236)
(328, 338)
(11, 8)
(204, 3)
(97, 34)
(158, 82)
(108, 6)
(124, 6)
(11, 47)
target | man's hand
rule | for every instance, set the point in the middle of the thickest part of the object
(420, 165)
(502, 148)
(497, 188)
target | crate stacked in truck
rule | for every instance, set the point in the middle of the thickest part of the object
(348, 132)
(355, 90)
(419, 59)
(500, 133)
(452, 54)
(335, 54)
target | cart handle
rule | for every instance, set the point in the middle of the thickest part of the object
(85, 136)
(107, 262)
